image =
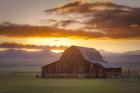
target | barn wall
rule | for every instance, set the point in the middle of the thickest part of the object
(73, 64)
(113, 72)
(89, 70)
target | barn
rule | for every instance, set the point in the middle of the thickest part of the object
(80, 62)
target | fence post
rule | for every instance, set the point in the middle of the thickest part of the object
(128, 73)
(138, 76)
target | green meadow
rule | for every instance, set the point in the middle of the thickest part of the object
(38, 85)
(24, 81)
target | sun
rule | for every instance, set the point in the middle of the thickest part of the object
(57, 51)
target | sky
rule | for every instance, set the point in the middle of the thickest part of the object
(31, 11)
(84, 26)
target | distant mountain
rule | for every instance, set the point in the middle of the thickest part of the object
(13, 57)
(137, 52)
(130, 56)
(22, 57)
(129, 59)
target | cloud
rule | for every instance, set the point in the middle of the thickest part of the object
(24, 31)
(115, 21)
(26, 46)
(88, 7)
(85, 20)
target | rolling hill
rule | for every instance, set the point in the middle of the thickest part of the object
(13, 57)
(22, 57)
(129, 59)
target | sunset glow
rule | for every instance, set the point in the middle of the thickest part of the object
(57, 51)
(50, 41)
(109, 45)
(78, 22)
(69, 46)
(31, 50)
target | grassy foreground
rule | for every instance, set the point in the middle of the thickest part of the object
(34, 85)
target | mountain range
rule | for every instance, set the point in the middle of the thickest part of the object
(13, 57)
(130, 59)
(22, 57)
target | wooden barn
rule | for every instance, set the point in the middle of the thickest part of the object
(80, 62)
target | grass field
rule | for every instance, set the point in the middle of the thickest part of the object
(36, 85)
(25, 82)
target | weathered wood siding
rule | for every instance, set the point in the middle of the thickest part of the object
(72, 63)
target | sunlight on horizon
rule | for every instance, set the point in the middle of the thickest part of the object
(108, 45)
(57, 51)
(50, 41)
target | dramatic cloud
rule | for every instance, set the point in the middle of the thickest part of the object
(83, 20)
(23, 31)
(25, 46)
(113, 20)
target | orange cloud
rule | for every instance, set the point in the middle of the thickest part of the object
(106, 19)
(24, 31)
(26, 46)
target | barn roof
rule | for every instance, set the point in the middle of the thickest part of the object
(92, 55)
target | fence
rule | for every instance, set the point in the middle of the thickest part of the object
(18, 74)
(123, 75)
(82, 76)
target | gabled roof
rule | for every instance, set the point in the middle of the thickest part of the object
(92, 55)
